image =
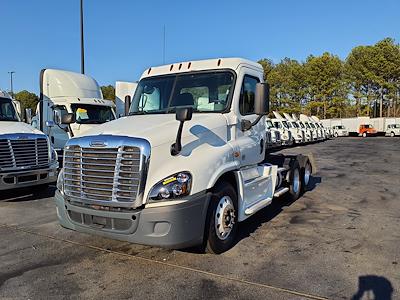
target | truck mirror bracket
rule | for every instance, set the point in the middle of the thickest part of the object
(182, 114)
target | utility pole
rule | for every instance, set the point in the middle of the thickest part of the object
(82, 42)
(11, 83)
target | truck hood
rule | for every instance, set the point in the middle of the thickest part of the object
(159, 129)
(81, 129)
(7, 127)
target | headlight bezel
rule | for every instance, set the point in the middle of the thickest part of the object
(174, 187)
(60, 181)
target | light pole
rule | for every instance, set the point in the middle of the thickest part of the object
(82, 44)
(11, 83)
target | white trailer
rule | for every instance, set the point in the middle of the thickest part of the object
(384, 126)
(186, 166)
(64, 93)
(26, 156)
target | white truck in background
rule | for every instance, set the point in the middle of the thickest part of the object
(311, 127)
(273, 138)
(302, 125)
(122, 90)
(298, 132)
(26, 156)
(65, 94)
(282, 125)
(180, 171)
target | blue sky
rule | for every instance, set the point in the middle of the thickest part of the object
(123, 37)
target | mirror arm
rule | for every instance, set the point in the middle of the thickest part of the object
(177, 146)
(246, 124)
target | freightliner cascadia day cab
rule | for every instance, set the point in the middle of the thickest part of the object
(26, 156)
(63, 93)
(185, 166)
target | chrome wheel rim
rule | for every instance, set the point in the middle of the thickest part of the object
(224, 217)
(307, 174)
(296, 181)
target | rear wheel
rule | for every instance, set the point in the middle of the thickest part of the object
(295, 181)
(392, 134)
(336, 134)
(221, 226)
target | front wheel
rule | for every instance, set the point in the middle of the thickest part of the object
(336, 135)
(364, 134)
(221, 226)
(392, 134)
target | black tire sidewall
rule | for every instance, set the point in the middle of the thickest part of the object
(291, 194)
(213, 243)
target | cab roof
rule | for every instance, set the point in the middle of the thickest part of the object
(200, 65)
(4, 94)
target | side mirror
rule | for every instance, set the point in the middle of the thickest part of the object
(28, 115)
(182, 114)
(68, 118)
(261, 101)
(56, 117)
(127, 104)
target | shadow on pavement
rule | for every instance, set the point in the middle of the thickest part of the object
(373, 287)
(27, 194)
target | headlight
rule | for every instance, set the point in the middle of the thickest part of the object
(60, 181)
(172, 187)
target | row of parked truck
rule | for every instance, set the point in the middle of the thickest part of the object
(182, 165)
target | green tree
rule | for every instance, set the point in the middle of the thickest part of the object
(27, 99)
(324, 76)
(108, 92)
(267, 65)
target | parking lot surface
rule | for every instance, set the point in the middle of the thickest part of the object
(340, 240)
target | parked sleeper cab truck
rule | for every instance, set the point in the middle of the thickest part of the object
(26, 157)
(273, 136)
(366, 130)
(177, 172)
(62, 93)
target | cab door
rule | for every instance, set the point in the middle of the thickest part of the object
(57, 133)
(251, 142)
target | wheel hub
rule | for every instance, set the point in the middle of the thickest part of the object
(224, 217)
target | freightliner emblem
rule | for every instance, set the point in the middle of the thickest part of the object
(98, 143)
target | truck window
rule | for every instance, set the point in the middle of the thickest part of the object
(285, 124)
(7, 111)
(92, 114)
(247, 95)
(269, 124)
(204, 91)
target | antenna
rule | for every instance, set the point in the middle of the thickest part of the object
(82, 42)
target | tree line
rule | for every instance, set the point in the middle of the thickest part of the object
(366, 83)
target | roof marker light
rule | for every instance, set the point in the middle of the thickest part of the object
(148, 72)
(219, 62)
(171, 67)
(189, 65)
(180, 66)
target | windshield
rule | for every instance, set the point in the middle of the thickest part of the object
(312, 125)
(277, 125)
(295, 125)
(92, 114)
(269, 124)
(205, 92)
(301, 125)
(7, 111)
(285, 124)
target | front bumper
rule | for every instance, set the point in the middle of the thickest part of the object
(171, 226)
(27, 178)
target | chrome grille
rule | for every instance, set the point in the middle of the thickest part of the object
(102, 174)
(24, 152)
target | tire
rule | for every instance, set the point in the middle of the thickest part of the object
(221, 223)
(306, 176)
(364, 134)
(336, 135)
(295, 182)
(392, 134)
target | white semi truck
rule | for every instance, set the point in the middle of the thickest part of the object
(179, 171)
(26, 156)
(62, 93)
